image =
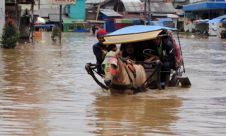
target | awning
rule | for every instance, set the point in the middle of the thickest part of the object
(94, 1)
(96, 21)
(162, 8)
(110, 13)
(131, 37)
(165, 15)
(172, 16)
(44, 12)
(135, 6)
(205, 6)
(40, 20)
(134, 33)
(54, 17)
(67, 20)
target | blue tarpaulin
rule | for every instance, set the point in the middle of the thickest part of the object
(204, 6)
(217, 19)
(138, 29)
(134, 33)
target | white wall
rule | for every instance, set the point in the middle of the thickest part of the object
(2, 15)
(46, 4)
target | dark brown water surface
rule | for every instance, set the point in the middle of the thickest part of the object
(45, 91)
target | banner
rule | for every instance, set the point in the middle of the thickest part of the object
(63, 2)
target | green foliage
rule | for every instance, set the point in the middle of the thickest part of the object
(10, 35)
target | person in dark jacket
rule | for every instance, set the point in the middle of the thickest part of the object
(168, 59)
(99, 49)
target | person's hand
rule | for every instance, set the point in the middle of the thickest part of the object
(104, 52)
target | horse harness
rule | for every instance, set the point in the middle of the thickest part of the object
(128, 67)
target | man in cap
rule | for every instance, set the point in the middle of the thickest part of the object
(99, 49)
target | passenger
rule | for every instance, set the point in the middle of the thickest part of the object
(158, 46)
(111, 47)
(150, 51)
(153, 63)
(128, 51)
(99, 49)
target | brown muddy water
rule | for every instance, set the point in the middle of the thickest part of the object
(45, 91)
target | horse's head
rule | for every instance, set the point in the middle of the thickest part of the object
(110, 66)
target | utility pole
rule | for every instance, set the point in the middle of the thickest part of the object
(32, 21)
(60, 23)
(149, 11)
(145, 10)
(39, 3)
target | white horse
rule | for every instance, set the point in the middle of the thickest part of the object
(123, 76)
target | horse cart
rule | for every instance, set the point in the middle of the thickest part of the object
(156, 61)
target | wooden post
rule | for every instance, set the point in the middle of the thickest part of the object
(60, 23)
(98, 11)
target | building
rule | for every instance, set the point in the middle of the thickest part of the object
(178, 4)
(76, 11)
(199, 10)
(2, 15)
(21, 17)
(75, 17)
(208, 9)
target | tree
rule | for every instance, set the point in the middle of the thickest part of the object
(10, 35)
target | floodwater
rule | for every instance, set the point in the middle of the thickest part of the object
(45, 91)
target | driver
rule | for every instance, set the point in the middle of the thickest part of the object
(99, 49)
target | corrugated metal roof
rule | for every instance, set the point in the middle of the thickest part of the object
(54, 17)
(44, 12)
(133, 5)
(110, 13)
(68, 20)
(94, 1)
(162, 8)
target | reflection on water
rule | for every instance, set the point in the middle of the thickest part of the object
(45, 90)
(133, 115)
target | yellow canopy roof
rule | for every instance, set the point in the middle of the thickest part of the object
(127, 38)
